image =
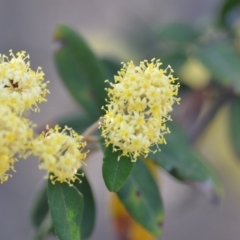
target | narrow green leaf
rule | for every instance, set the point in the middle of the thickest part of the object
(80, 70)
(40, 214)
(40, 207)
(178, 32)
(222, 61)
(115, 171)
(183, 163)
(66, 207)
(141, 198)
(73, 79)
(89, 211)
(45, 228)
(234, 125)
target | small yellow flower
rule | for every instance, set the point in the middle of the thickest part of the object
(6, 164)
(15, 132)
(139, 103)
(21, 88)
(59, 151)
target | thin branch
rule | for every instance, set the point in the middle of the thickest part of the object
(219, 102)
(91, 129)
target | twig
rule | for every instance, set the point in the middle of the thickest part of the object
(219, 102)
(87, 133)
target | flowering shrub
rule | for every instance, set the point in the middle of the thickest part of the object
(128, 117)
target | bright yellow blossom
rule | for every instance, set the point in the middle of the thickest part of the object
(139, 102)
(59, 151)
(6, 164)
(21, 88)
(15, 132)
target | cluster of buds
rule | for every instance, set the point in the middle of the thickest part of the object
(59, 152)
(15, 133)
(22, 89)
(139, 103)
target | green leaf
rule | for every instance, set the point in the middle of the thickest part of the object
(183, 163)
(40, 214)
(234, 125)
(40, 207)
(66, 207)
(222, 60)
(73, 79)
(78, 122)
(178, 32)
(89, 211)
(80, 70)
(141, 198)
(45, 229)
(115, 171)
(226, 9)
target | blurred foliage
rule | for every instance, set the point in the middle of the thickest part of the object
(227, 12)
(124, 225)
(208, 63)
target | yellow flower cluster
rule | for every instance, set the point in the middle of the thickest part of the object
(140, 100)
(7, 163)
(21, 88)
(60, 153)
(15, 133)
